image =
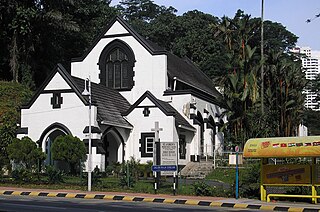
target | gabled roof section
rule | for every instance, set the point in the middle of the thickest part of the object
(187, 72)
(152, 48)
(183, 69)
(165, 107)
(110, 104)
(65, 75)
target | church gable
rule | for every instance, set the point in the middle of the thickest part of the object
(116, 29)
(57, 83)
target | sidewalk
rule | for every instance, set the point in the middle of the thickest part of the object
(162, 198)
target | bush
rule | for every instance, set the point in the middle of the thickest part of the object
(21, 175)
(250, 181)
(54, 175)
(202, 189)
(25, 153)
(96, 176)
(69, 149)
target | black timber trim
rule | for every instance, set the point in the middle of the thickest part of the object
(22, 130)
(55, 125)
(116, 35)
(93, 130)
(131, 31)
(142, 142)
(66, 76)
(58, 90)
(153, 99)
(127, 50)
(196, 93)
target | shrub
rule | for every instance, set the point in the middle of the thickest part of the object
(25, 152)
(202, 189)
(54, 175)
(21, 175)
(69, 149)
(249, 185)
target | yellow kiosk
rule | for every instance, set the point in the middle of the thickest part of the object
(306, 174)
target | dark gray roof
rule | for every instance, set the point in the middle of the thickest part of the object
(165, 107)
(110, 103)
(188, 73)
(183, 69)
(178, 117)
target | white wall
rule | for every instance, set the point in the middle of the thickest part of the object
(144, 125)
(149, 70)
(73, 114)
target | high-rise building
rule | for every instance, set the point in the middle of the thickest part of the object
(311, 65)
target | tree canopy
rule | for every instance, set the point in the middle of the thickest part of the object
(25, 151)
(69, 149)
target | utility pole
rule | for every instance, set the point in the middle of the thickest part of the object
(262, 59)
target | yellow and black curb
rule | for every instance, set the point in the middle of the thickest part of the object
(159, 200)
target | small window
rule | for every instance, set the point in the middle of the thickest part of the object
(56, 100)
(146, 144)
(182, 147)
(149, 144)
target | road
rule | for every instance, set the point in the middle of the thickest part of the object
(47, 204)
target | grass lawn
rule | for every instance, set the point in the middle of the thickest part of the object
(223, 175)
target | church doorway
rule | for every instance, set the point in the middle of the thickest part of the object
(114, 147)
(48, 143)
(46, 140)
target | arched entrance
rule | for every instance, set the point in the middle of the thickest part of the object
(47, 138)
(113, 144)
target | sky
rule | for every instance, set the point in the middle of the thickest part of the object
(290, 13)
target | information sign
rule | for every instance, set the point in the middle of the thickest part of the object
(168, 155)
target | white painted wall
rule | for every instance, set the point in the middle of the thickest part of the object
(73, 114)
(144, 125)
(150, 70)
(180, 103)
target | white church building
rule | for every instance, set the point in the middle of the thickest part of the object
(134, 83)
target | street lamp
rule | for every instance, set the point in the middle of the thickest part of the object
(87, 92)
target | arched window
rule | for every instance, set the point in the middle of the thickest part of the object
(116, 66)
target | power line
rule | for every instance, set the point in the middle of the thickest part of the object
(316, 16)
(48, 111)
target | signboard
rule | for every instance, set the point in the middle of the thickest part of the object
(233, 159)
(158, 168)
(168, 155)
(308, 146)
(286, 174)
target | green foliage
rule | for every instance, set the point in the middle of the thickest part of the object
(311, 120)
(222, 175)
(54, 175)
(202, 189)
(129, 173)
(144, 170)
(22, 175)
(25, 152)
(249, 185)
(69, 149)
(96, 176)
(12, 96)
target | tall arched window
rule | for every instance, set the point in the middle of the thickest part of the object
(116, 66)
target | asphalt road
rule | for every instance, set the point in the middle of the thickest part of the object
(47, 204)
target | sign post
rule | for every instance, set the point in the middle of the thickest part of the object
(169, 156)
(156, 153)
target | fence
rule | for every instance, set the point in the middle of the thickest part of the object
(221, 160)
